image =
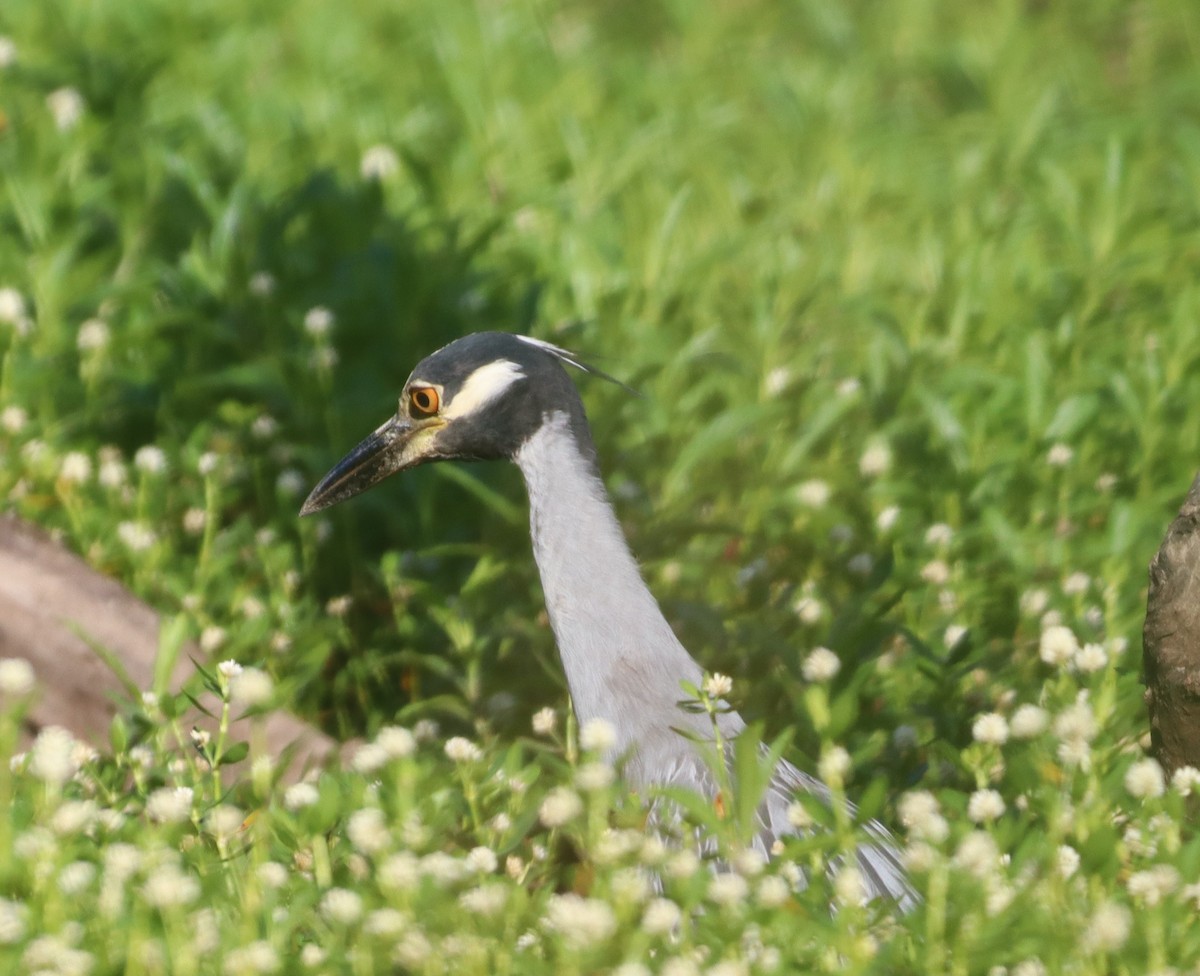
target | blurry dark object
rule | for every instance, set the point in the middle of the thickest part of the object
(1171, 640)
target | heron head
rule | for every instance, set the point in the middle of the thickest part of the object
(477, 399)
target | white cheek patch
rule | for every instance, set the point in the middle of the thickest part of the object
(482, 387)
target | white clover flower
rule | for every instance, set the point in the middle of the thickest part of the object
(921, 814)
(462, 750)
(834, 765)
(224, 821)
(397, 742)
(821, 665)
(661, 917)
(1185, 780)
(1151, 886)
(12, 921)
(1029, 721)
(400, 872)
(425, 730)
(168, 887)
(776, 381)
(8, 52)
(773, 891)
(93, 335)
(991, 728)
(13, 419)
(262, 284)
(813, 493)
(368, 830)
(482, 860)
(12, 306)
(799, 817)
(598, 735)
(861, 564)
(16, 677)
(560, 806)
(808, 609)
(728, 890)
(985, 806)
(290, 482)
(257, 958)
(272, 874)
(342, 906)
(718, 685)
(581, 923)
(1067, 860)
(76, 878)
(312, 955)
(1076, 722)
(318, 321)
(544, 721)
(379, 162)
(207, 463)
(150, 459)
(1144, 779)
(53, 758)
(936, 572)
(849, 888)
(1076, 584)
(953, 634)
(413, 950)
(66, 106)
(1058, 645)
(252, 688)
(594, 776)
(170, 804)
(876, 460)
(886, 520)
(300, 795)
(339, 606)
(112, 473)
(228, 669)
(978, 855)
(76, 468)
(74, 817)
(1059, 456)
(487, 901)
(749, 863)
(136, 536)
(939, 535)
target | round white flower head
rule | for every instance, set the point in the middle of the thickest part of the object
(718, 685)
(1153, 885)
(370, 757)
(1057, 646)
(1059, 455)
(1076, 723)
(1091, 658)
(12, 306)
(262, 284)
(1029, 721)
(544, 721)
(776, 380)
(170, 804)
(594, 776)
(93, 335)
(76, 468)
(990, 728)
(728, 890)
(1068, 860)
(379, 162)
(977, 854)
(560, 806)
(936, 572)
(300, 795)
(1144, 779)
(368, 831)
(834, 765)
(342, 906)
(136, 536)
(462, 750)
(848, 886)
(1185, 780)
(598, 735)
(876, 459)
(66, 106)
(8, 52)
(488, 900)
(12, 921)
(1108, 929)
(13, 419)
(580, 922)
(150, 459)
(396, 741)
(251, 688)
(53, 757)
(886, 520)
(482, 860)
(985, 806)
(168, 887)
(921, 814)
(939, 535)
(813, 493)
(318, 321)
(773, 891)
(821, 665)
(228, 669)
(16, 677)
(272, 874)
(661, 916)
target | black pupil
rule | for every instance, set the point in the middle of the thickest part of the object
(423, 400)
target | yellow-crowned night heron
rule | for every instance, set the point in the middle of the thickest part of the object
(493, 395)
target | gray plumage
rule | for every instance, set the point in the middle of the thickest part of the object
(623, 663)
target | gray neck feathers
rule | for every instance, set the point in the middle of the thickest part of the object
(622, 661)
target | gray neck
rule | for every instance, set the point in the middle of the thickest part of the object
(622, 661)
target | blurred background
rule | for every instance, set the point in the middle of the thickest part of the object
(909, 289)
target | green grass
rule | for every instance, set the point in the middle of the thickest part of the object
(960, 237)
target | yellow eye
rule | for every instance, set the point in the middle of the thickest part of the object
(424, 401)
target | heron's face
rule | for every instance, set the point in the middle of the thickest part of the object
(477, 399)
